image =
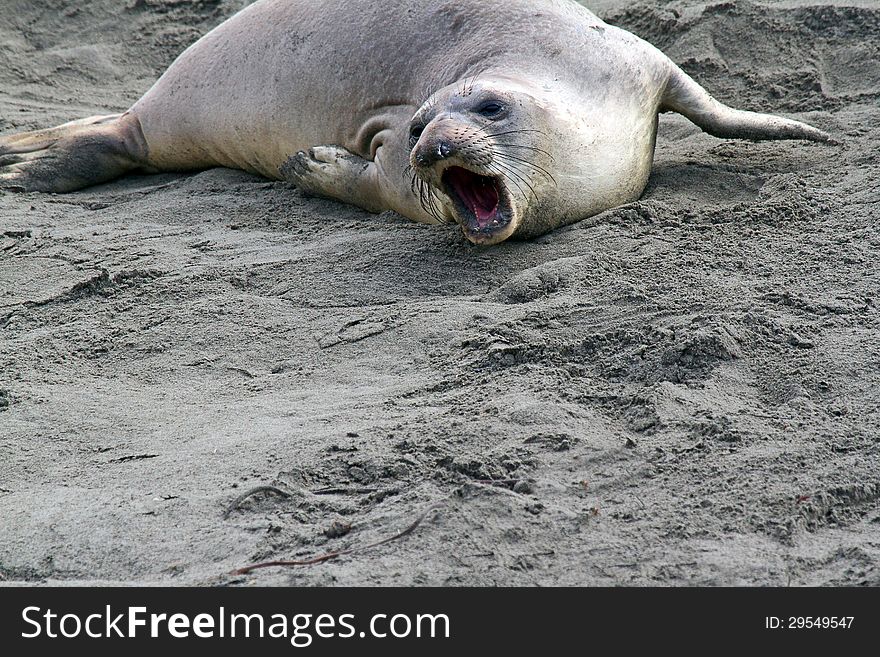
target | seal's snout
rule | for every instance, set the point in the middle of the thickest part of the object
(429, 153)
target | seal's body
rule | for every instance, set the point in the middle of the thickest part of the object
(505, 116)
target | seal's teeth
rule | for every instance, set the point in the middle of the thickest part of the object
(479, 199)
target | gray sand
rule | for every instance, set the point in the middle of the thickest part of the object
(682, 391)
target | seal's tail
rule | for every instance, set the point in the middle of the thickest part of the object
(685, 96)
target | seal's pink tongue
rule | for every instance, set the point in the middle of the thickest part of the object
(478, 192)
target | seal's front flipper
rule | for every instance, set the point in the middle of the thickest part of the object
(73, 155)
(334, 172)
(685, 96)
(375, 186)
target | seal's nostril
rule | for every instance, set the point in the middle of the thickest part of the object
(443, 149)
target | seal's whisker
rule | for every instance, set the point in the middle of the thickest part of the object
(513, 178)
(526, 182)
(504, 171)
(531, 148)
(432, 202)
(514, 169)
(428, 200)
(421, 193)
(513, 132)
(442, 218)
(505, 144)
(467, 86)
(428, 204)
(497, 172)
(497, 149)
(473, 81)
(539, 169)
(425, 198)
(413, 178)
(523, 166)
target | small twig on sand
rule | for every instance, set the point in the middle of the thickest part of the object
(333, 555)
(253, 491)
(335, 490)
(330, 490)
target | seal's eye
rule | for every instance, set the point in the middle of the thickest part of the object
(415, 132)
(490, 109)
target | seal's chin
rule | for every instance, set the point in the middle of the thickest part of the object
(482, 205)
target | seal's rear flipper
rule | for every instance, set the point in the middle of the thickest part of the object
(686, 97)
(73, 155)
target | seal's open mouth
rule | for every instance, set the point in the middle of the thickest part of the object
(481, 202)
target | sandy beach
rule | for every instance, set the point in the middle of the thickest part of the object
(681, 391)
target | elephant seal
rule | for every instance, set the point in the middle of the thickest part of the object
(508, 117)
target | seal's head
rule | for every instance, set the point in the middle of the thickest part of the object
(480, 157)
